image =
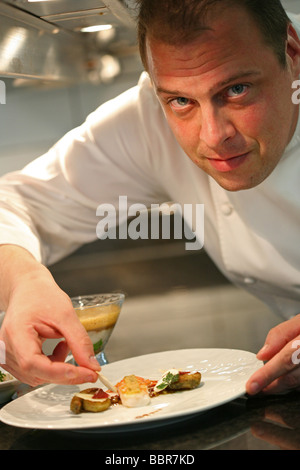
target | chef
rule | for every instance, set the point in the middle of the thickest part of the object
(212, 121)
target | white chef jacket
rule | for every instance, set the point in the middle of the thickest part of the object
(125, 148)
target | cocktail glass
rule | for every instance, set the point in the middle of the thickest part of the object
(99, 313)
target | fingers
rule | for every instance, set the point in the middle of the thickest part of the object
(48, 371)
(281, 351)
(47, 314)
(76, 340)
(278, 337)
(34, 368)
(284, 384)
(82, 347)
(279, 375)
(60, 352)
(26, 361)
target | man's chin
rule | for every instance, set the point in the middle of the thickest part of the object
(234, 187)
(235, 183)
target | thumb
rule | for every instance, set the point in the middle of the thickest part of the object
(81, 346)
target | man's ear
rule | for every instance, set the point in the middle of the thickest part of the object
(293, 50)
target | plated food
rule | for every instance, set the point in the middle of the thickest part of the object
(134, 391)
(8, 385)
(5, 376)
(224, 374)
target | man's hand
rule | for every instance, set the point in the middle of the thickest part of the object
(37, 309)
(281, 354)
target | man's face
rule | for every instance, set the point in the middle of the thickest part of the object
(228, 99)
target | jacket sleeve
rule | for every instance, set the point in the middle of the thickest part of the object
(50, 206)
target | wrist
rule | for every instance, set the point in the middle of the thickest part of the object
(17, 266)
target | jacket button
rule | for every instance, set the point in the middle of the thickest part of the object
(226, 209)
(249, 280)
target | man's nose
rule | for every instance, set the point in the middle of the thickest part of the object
(216, 127)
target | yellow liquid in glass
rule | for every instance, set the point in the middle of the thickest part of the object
(99, 322)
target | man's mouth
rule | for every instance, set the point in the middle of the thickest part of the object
(228, 164)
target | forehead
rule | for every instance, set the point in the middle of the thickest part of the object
(232, 38)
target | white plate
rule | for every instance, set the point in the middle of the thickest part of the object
(224, 374)
(7, 388)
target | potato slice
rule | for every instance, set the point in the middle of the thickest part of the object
(76, 405)
(96, 406)
(186, 381)
(84, 401)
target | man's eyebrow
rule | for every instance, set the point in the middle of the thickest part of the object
(218, 85)
(238, 76)
(168, 92)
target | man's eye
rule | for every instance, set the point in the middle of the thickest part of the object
(180, 102)
(236, 90)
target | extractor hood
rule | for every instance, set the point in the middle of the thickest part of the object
(45, 40)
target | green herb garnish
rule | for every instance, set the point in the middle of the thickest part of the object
(97, 346)
(167, 380)
(2, 376)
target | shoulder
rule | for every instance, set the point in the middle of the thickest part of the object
(133, 122)
(136, 103)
